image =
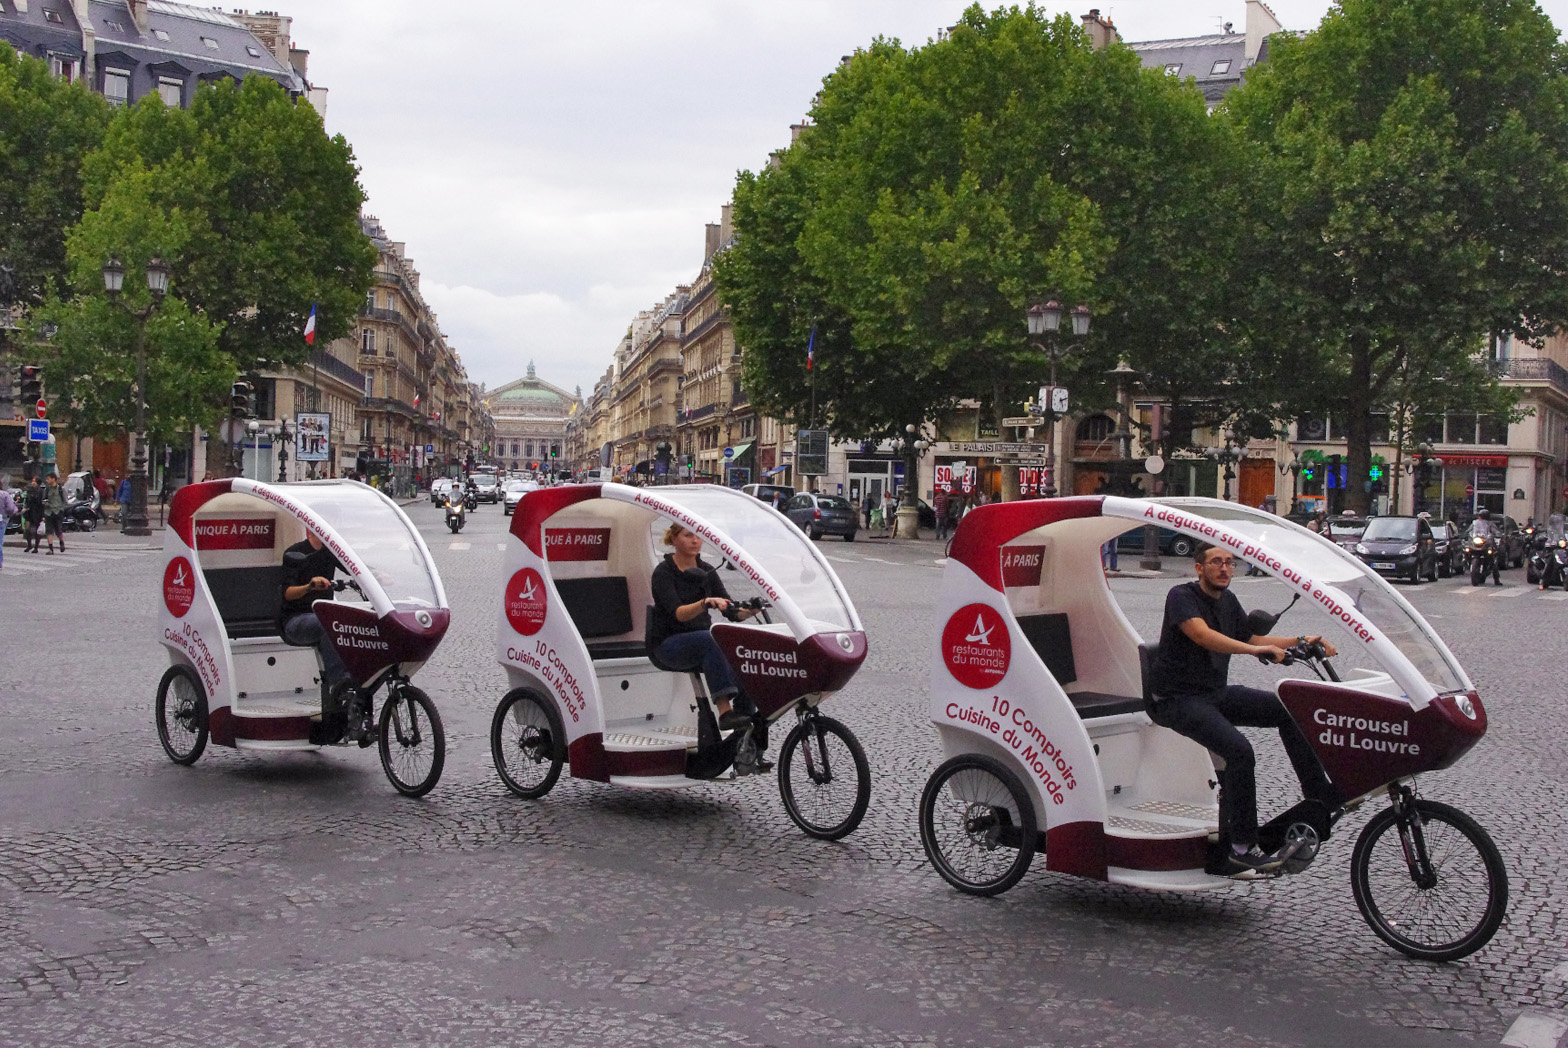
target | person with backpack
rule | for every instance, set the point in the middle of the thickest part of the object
(8, 509)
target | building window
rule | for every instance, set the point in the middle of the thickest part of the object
(1220, 68)
(1095, 429)
(249, 50)
(53, 16)
(370, 301)
(528, 450)
(1173, 69)
(117, 86)
(209, 43)
(112, 24)
(367, 341)
(161, 34)
(64, 68)
(171, 90)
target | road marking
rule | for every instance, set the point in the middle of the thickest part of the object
(501, 546)
(1534, 1030)
(1511, 591)
(1554, 596)
(460, 545)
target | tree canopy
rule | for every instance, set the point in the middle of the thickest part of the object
(939, 191)
(1408, 174)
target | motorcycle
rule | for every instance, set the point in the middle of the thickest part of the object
(1548, 565)
(471, 500)
(456, 514)
(1483, 553)
(80, 515)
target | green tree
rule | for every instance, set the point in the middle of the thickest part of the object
(46, 127)
(939, 191)
(1408, 168)
(271, 206)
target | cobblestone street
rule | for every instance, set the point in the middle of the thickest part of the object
(296, 899)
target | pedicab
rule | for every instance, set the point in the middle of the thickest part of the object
(235, 680)
(1040, 692)
(587, 694)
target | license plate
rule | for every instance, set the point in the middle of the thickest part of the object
(1384, 565)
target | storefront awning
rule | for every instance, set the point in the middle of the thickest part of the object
(741, 449)
(775, 471)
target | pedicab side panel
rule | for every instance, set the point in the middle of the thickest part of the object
(368, 643)
(1368, 741)
(536, 640)
(189, 623)
(989, 683)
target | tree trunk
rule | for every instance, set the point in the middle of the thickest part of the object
(1010, 491)
(1358, 426)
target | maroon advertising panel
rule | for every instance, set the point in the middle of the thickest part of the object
(774, 670)
(577, 544)
(1021, 565)
(224, 533)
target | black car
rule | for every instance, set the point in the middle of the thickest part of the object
(1450, 548)
(1172, 543)
(820, 515)
(1403, 547)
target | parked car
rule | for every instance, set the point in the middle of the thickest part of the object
(1403, 547)
(1450, 539)
(775, 495)
(439, 489)
(819, 515)
(1346, 531)
(487, 487)
(1515, 545)
(1171, 543)
(513, 493)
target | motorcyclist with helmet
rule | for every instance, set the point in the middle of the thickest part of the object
(1483, 528)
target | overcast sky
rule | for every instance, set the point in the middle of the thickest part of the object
(551, 166)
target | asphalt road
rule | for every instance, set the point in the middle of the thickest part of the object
(296, 899)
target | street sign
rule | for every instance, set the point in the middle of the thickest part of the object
(38, 430)
(1153, 464)
(43, 409)
(1024, 421)
(430, 449)
(729, 453)
(811, 452)
(1469, 489)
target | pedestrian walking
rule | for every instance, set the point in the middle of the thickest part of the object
(32, 515)
(890, 514)
(8, 510)
(939, 507)
(867, 507)
(1108, 560)
(100, 487)
(54, 508)
(123, 497)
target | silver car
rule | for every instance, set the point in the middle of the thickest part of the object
(513, 494)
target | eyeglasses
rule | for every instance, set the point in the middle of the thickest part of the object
(1228, 563)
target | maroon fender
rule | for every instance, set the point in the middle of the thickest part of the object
(775, 670)
(187, 501)
(368, 644)
(1366, 741)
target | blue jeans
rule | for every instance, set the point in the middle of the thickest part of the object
(698, 650)
(306, 630)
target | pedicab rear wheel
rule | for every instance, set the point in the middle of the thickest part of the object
(181, 714)
(527, 743)
(412, 741)
(977, 824)
(815, 763)
(1429, 881)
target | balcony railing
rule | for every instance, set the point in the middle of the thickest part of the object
(1537, 369)
(331, 365)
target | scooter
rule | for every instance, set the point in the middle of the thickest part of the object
(80, 515)
(456, 513)
(1548, 565)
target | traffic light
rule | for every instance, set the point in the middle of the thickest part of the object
(240, 399)
(31, 381)
(664, 452)
(1309, 471)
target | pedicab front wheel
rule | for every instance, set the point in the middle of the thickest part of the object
(1429, 881)
(181, 714)
(977, 825)
(824, 779)
(527, 744)
(412, 742)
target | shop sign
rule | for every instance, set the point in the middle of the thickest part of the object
(994, 447)
(1478, 461)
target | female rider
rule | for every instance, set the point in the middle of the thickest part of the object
(684, 589)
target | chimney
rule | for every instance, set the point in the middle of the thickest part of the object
(299, 61)
(138, 14)
(1261, 24)
(1101, 32)
(794, 132)
(726, 231)
(711, 245)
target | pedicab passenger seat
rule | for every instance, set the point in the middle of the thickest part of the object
(599, 608)
(1051, 637)
(249, 600)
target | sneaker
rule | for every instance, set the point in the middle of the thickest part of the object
(1251, 861)
(733, 720)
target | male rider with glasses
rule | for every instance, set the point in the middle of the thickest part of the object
(1204, 626)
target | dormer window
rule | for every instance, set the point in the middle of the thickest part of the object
(1173, 69)
(161, 34)
(210, 43)
(112, 24)
(53, 16)
(1220, 68)
(249, 50)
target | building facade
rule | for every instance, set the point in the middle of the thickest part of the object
(531, 418)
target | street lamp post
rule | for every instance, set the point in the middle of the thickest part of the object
(1426, 460)
(1227, 455)
(282, 439)
(914, 448)
(1045, 322)
(1293, 467)
(255, 448)
(135, 521)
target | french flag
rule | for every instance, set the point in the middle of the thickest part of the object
(310, 326)
(811, 347)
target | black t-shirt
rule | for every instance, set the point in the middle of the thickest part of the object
(672, 588)
(1185, 667)
(317, 562)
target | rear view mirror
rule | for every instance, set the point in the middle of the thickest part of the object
(1260, 623)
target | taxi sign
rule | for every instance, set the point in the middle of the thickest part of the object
(38, 430)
